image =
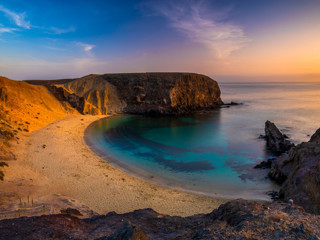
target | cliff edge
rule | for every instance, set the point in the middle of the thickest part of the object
(137, 93)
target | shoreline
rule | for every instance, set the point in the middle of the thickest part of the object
(55, 166)
(153, 179)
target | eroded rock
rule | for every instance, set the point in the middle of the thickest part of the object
(299, 173)
(276, 141)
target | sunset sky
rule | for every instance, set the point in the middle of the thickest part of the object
(47, 39)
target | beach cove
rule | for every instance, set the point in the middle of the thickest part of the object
(54, 166)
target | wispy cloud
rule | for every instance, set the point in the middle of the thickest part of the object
(7, 30)
(62, 30)
(220, 36)
(86, 47)
(18, 18)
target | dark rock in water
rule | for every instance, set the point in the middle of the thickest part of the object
(299, 173)
(238, 219)
(276, 141)
(265, 164)
(262, 136)
(228, 105)
(232, 103)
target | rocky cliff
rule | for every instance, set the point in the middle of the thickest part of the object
(139, 93)
(298, 171)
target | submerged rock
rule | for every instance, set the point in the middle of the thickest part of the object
(276, 141)
(299, 173)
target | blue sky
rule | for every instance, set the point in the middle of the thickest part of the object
(43, 39)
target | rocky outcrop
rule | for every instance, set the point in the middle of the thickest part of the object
(299, 173)
(140, 93)
(238, 219)
(64, 96)
(276, 141)
(100, 97)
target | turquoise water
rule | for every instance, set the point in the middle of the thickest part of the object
(212, 154)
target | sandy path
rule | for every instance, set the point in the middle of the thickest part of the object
(66, 166)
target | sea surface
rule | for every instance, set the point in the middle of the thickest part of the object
(212, 154)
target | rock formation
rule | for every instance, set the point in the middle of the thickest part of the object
(276, 141)
(299, 173)
(238, 219)
(138, 93)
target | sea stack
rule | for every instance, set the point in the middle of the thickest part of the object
(276, 141)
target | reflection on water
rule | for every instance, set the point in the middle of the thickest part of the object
(213, 153)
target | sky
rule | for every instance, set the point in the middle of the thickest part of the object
(225, 39)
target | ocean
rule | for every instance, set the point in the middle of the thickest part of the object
(212, 154)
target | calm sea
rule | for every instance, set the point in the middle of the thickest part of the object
(212, 154)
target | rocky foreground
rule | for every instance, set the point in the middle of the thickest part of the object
(238, 219)
(297, 168)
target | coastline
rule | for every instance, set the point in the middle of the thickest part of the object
(55, 166)
(144, 175)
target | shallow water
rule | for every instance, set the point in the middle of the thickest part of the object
(214, 153)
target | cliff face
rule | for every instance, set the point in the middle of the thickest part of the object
(141, 93)
(165, 93)
(100, 97)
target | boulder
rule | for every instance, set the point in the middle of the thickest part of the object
(276, 141)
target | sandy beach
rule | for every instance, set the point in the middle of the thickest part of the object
(56, 168)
